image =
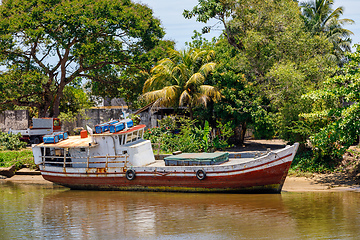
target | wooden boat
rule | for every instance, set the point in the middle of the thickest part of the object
(124, 161)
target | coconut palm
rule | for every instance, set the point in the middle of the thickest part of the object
(320, 18)
(179, 80)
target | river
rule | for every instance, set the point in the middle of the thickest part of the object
(50, 212)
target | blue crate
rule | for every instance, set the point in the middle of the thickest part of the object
(66, 136)
(60, 134)
(51, 138)
(116, 127)
(129, 123)
(100, 128)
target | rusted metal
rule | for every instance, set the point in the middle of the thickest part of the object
(101, 170)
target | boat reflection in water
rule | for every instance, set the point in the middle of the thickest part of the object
(84, 214)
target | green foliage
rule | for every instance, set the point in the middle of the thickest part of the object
(74, 102)
(17, 158)
(308, 162)
(11, 141)
(63, 40)
(272, 61)
(18, 88)
(263, 124)
(336, 107)
(183, 135)
(125, 83)
(180, 80)
(321, 19)
(75, 99)
(222, 134)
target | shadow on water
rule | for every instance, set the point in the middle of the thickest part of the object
(51, 213)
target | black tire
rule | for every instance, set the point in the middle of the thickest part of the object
(36, 140)
(130, 174)
(200, 174)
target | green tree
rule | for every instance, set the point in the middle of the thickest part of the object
(274, 61)
(320, 18)
(179, 80)
(125, 84)
(63, 40)
(75, 99)
(336, 110)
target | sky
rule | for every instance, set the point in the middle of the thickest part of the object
(180, 30)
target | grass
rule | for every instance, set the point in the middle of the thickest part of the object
(17, 158)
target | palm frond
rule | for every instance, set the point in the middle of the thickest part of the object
(207, 68)
(195, 81)
(202, 99)
(211, 92)
(185, 98)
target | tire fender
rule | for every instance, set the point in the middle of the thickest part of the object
(201, 174)
(130, 174)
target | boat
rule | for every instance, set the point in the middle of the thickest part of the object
(124, 160)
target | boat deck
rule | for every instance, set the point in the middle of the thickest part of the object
(232, 161)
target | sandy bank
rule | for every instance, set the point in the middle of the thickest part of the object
(305, 184)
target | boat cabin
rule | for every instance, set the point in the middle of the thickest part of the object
(124, 148)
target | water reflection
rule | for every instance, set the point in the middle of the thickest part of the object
(54, 213)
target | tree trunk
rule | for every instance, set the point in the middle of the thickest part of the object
(191, 112)
(239, 134)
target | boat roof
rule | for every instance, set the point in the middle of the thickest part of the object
(71, 142)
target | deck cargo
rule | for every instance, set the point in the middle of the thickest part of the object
(197, 159)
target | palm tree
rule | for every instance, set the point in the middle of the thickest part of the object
(179, 80)
(320, 18)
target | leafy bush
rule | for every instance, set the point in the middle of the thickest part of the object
(183, 135)
(336, 106)
(11, 141)
(17, 158)
(307, 161)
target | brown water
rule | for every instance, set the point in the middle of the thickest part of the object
(38, 212)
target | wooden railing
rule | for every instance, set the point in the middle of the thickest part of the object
(66, 163)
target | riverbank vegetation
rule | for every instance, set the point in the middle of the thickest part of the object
(14, 152)
(17, 158)
(279, 69)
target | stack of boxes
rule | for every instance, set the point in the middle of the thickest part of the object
(114, 126)
(55, 137)
(111, 126)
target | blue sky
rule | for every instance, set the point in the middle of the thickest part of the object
(180, 30)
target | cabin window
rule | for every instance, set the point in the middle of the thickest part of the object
(129, 137)
(137, 135)
(56, 122)
(82, 149)
(121, 139)
(134, 138)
